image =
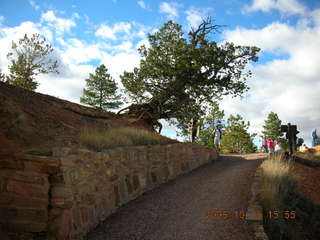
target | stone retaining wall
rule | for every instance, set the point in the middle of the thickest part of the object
(24, 191)
(69, 193)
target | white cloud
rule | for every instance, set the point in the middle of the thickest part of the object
(120, 62)
(34, 4)
(75, 51)
(68, 84)
(194, 18)
(196, 15)
(2, 18)
(76, 15)
(170, 9)
(288, 86)
(108, 32)
(142, 4)
(284, 6)
(144, 42)
(263, 38)
(75, 56)
(60, 25)
(123, 31)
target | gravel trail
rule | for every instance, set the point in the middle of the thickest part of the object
(179, 209)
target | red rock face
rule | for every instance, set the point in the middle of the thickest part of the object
(37, 122)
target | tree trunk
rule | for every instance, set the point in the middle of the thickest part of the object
(194, 129)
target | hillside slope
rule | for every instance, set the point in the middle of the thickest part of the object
(30, 120)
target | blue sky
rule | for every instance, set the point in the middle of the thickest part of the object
(88, 33)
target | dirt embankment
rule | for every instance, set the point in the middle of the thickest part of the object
(30, 120)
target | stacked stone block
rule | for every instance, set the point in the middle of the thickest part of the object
(24, 191)
(72, 191)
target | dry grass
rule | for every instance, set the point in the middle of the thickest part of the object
(119, 137)
(276, 181)
(313, 156)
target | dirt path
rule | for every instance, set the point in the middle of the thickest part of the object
(178, 209)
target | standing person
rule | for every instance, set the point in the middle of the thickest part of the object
(270, 145)
(277, 147)
(217, 137)
(265, 144)
(314, 138)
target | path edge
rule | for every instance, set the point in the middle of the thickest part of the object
(254, 214)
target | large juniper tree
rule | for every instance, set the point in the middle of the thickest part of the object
(179, 72)
(30, 57)
(101, 90)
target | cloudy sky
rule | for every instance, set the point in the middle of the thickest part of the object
(88, 33)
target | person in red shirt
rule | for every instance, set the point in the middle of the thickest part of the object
(271, 145)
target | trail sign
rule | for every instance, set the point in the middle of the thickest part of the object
(291, 135)
(284, 128)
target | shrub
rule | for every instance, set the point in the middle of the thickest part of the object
(276, 181)
(284, 144)
(119, 137)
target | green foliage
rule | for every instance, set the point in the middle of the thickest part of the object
(101, 90)
(30, 57)
(272, 127)
(213, 118)
(236, 138)
(204, 125)
(283, 144)
(180, 72)
(2, 76)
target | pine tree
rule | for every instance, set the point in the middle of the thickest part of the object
(272, 127)
(236, 138)
(101, 90)
(30, 57)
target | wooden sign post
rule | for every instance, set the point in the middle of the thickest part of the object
(291, 132)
